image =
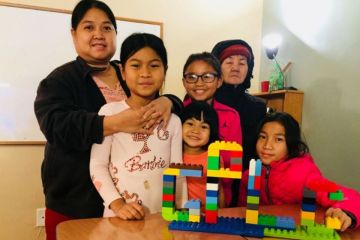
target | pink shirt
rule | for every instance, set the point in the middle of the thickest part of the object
(110, 95)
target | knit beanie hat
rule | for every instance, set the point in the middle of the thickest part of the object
(228, 48)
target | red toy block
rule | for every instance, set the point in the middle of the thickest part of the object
(168, 197)
(211, 216)
(236, 167)
(257, 182)
(236, 154)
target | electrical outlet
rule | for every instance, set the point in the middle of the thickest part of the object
(40, 217)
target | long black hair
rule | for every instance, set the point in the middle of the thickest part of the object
(202, 111)
(295, 145)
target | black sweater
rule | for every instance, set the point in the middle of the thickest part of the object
(66, 108)
(251, 110)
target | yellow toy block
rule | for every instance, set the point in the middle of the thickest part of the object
(172, 171)
(307, 215)
(224, 173)
(194, 218)
(333, 223)
(224, 145)
(213, 152)
(252, 216)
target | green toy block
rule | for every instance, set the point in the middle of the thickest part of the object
(183, 216)
(211, 206)
(213, 163)
(318, 232)
(253, 199)
(307, 222)
(337, 196)
(168, 204)
(267, 220)
(168, 214)
(168, 190)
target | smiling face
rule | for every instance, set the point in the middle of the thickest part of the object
(144, 74)
(200, 90)
(196, 134)
(95, 37)
(234, 69)
(271, 144)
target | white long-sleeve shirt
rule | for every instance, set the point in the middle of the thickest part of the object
(132, 165)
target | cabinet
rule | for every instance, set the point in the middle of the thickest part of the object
(290, 101)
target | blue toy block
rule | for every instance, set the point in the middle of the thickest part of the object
(211, 200)
(168, 178)
(285, 222)
(190, 173)
(251, 182)
(308, 207)
(225, 225)
(258, 165)
(210, 193)
(192, 204)
(253, 192)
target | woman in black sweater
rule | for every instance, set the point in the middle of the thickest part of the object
(237, 63)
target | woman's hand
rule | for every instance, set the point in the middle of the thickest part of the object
(127, 211)
(341, 215)
(142, 120)
(159, 110)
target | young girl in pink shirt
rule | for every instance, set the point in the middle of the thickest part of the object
(288, 168)
(199, 129)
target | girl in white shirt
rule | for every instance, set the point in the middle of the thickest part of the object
(126, 169)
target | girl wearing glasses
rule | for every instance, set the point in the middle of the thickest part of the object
(201, 79)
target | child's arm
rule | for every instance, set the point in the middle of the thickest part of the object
(349, 206)
(345, 219)
(99, 167)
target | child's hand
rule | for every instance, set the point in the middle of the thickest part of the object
(127, 211)
(341, 215)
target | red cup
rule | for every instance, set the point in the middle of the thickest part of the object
(265, 86)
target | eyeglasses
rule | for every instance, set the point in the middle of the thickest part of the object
(194, 78)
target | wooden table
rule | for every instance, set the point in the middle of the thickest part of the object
(154, 227)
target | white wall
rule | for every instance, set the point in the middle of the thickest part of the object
(189, 26)
(322, 39)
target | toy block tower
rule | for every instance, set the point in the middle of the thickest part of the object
(308, 207)
(169, 211)
(214, 172)
(253, 192)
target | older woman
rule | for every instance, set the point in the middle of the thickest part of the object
(237, 63)
(66, 107)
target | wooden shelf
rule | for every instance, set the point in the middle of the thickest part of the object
(290, 101)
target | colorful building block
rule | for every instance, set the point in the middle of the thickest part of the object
(333, 223)
(224, 173)
(308, 215)
(251, 216)
(225, 225)
(337, 196)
